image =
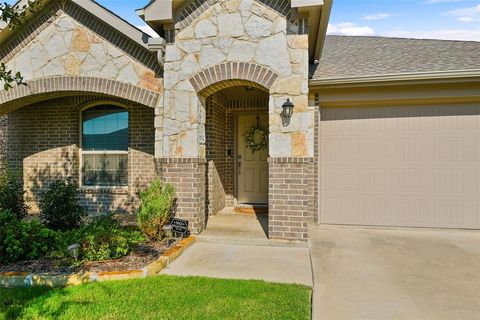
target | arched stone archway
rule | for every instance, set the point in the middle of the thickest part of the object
(229, 74)
(40, 89)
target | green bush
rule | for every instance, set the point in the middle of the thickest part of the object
(24, 240)
(11, 193)
(103, 239)
(60, 207)
(154, 213)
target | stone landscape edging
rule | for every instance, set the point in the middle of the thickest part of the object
(25, 279)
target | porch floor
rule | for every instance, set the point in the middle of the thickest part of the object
(230, 225)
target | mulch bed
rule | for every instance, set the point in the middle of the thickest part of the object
(141, 257)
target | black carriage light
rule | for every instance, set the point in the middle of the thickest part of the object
(287, 112)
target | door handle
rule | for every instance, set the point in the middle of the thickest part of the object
(239, 164)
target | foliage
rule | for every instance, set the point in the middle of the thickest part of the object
(15, 16)
(24, 240)
(60, 207)
(157, 201)
(9, 78)
(161, 297)
(103, 239)
(11, 193)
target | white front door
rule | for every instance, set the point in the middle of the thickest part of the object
(252, 167)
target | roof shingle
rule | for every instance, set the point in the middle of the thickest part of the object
(350, 57)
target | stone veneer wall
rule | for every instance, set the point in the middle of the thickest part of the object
(66, 40)
(187, 175)
(291, 197)
(43, 146)
(228, 41)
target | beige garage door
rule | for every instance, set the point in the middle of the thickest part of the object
(401, 166)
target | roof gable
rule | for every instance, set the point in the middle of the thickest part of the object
(96, 10)
(66, 40)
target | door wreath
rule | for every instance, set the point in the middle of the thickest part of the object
(256, 139)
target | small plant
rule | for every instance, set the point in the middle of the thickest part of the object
(11, 193)
(60, 207)
(154, 213)
(24, 240)
(104, 239)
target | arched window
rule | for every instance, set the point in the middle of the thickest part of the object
(104, 146)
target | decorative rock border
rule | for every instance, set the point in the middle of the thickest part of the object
(24, 279)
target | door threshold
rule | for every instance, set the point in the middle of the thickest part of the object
(247, 208)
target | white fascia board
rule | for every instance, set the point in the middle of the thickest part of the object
(114, 20)
(157, 11)
(399, 78)
(306, 3)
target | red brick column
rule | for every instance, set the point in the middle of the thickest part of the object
(187, 175)
(291, 197)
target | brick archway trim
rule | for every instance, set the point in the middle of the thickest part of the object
(65, 84)
(229, 74)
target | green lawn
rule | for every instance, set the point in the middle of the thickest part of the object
(162, 297)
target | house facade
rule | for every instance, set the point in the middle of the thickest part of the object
(383, 131)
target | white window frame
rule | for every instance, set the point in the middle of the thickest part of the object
(82, 152)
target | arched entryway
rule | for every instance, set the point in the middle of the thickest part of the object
(231, 96)
(237, 175)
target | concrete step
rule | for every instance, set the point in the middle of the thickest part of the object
(251, 241)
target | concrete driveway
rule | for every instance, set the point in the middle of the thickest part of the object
(374, 273)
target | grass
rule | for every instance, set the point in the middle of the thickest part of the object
(162, 297)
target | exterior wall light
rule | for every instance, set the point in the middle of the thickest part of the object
(287, 112)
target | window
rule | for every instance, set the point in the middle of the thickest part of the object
(105, 146)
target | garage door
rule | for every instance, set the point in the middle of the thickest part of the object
(401, 166)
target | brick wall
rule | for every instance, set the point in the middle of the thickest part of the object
(187, 175)
(291, 197)
(215, 128)
(43, 146)
(3, 138)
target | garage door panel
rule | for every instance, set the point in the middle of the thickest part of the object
(401, 166)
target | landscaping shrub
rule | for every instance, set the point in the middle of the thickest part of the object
(154, 213)
(11, 193)
(60, 207)
(104, 239)
(24, 240)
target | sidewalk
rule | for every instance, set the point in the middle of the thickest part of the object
(233, 261)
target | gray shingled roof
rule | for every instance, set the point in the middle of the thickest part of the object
(350, 57)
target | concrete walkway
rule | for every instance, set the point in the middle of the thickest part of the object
(237, 226)
(363, 273)
(232, 261)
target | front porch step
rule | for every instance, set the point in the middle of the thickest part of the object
(251, 242)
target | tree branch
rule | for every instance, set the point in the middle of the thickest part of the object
(15, 16)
